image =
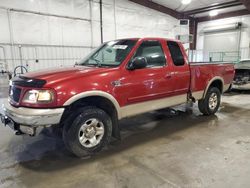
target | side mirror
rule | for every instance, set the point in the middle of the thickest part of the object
(138, 63)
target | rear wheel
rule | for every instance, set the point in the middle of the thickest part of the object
(87, 131)
(211, 103)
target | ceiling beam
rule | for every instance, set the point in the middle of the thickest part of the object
(213, 7)
(246, 3)
(158, 7)
(224, 15)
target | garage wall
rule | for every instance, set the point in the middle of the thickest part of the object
(46, 33)
(225, 41)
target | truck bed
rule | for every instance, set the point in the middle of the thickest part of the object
(204, 73)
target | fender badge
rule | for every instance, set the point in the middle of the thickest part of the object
(116, 83)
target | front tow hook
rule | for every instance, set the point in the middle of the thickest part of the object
(4, 119)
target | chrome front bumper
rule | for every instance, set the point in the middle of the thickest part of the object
(32, 117)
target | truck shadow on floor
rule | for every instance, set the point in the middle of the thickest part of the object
(48, 153)
(237, 92)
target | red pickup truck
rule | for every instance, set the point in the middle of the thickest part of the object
(121, 78)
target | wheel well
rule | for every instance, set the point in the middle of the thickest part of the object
(99, 102)
(218, 84)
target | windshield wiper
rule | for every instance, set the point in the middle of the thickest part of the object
(98, 62)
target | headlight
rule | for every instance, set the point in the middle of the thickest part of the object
(38, 96)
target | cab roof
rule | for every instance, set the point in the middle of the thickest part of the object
(150, 38)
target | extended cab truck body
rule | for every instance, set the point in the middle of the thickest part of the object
(121, 78)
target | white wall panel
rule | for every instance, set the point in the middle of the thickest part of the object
(30, 28)
(74, 8)
(38, 29)
(55, 27)
(96, 33)
(96, 10)
(76, 32)
(108, 13)
(34, 5)
(109, 22)
(121, 19)
(109, 32)
(133, 20)
(4, 31)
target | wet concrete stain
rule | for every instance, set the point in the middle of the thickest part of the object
(242, 142)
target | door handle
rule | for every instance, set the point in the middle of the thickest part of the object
(169, 75)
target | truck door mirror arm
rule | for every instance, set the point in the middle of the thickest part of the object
(137, 63)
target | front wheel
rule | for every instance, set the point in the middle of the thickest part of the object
(87, 131)
(211, 103)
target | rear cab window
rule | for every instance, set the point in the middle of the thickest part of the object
(176, 53)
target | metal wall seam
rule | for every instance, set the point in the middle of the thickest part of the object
(45, 14)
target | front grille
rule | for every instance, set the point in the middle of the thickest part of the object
(242, 76)
(15, 93)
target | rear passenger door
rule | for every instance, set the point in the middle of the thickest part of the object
(181, 70)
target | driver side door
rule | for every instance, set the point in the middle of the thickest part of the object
(151, 82)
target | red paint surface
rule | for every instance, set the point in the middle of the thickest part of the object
(137, 85)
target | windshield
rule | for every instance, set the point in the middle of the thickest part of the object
(110, 54)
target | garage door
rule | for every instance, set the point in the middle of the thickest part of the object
(221, 42)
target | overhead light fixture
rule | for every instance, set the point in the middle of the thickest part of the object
(213, 13)
(185, 2)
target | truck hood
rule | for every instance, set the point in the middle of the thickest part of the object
(52, 76)
(239, 66)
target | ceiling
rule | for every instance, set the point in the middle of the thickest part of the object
(224, 10)
(197, 4)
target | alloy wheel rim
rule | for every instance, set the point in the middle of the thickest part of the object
(213, 101)
(91, 133)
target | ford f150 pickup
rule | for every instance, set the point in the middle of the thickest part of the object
(121, 78)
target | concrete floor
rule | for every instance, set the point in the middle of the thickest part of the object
(158, 149)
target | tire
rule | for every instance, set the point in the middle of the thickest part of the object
(85, 124)
(209, 108)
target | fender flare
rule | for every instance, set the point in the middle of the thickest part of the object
(96, 93)
(211, 81)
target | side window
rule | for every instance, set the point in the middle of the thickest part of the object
(176, 53)
(153, 53)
